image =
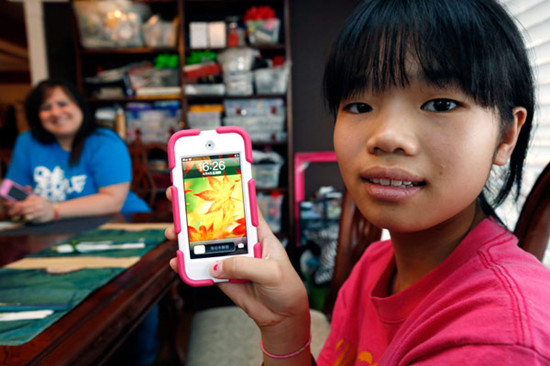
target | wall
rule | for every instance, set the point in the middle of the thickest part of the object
(14, 66)
(59, 41)
(314, 26)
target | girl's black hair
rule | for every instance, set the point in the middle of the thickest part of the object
(32, 108)
(474, 44)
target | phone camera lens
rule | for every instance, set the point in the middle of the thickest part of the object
(209, 145)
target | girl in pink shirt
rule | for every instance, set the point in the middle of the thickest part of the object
(429, 98)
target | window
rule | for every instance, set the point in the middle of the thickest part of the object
(533, 17)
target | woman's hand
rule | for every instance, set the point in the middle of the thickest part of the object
(33, 209)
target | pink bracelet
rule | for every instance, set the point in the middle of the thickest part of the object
(55, 212)
(290, 355)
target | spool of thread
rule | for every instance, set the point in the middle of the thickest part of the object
(120, 123)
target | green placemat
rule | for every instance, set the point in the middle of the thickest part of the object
(36, 287)
(149, 237)
(65, 226)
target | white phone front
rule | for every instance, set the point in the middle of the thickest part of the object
(214, 199)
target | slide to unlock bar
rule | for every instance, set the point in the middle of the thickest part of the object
(227, 247)
(218, 248)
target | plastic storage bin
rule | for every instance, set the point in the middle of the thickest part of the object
(270, 206)
(152, 122)
(263, 31)
(109, 24)
(266, 168)
(160, 33)
(254, 107)
(236, 64)
(204, 89)
(272, 80)
(260, 128)
(266, 175)
(239, 83)
(204, 120)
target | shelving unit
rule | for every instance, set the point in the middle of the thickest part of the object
(88, 61)
(219, 10)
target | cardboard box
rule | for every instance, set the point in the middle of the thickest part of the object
(198, 34)
(217, 34)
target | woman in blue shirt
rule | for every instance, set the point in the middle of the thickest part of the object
(74, 167)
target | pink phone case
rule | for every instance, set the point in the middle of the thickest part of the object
(6, 187)
(175, 204)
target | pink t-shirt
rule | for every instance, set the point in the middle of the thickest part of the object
(488, 303)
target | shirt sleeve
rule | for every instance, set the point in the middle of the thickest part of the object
(109, 159)
(20, 166)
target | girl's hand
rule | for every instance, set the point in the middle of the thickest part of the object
(34, 209)
(275, 291)
(275, 298)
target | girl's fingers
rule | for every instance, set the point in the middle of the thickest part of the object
(236, 268)
(174, 264)
(170, 233)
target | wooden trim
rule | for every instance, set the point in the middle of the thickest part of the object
(13, 49)
(15, 77)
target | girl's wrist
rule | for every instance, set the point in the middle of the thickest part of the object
(287, 355)
(289, 339)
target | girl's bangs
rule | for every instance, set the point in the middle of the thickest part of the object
(383, 47)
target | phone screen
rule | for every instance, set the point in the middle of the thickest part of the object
(17, 193)
(214, 205)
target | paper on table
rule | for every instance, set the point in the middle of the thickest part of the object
(5, 225)
(25, 315)
(69, 264)
(135, 226)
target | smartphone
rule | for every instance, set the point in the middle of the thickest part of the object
(12, 191)
(213, 199)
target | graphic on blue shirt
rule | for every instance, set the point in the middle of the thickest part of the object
(53, 185)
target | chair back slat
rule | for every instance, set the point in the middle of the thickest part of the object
(533, 225)
(354, 236)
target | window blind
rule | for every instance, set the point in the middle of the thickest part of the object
(533, 17)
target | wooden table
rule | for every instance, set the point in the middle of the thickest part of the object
(91, 332)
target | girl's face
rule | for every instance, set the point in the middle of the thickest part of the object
(417, 156)
(60, 115)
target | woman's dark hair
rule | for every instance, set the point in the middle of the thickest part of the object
(32, 108)
(474, 44)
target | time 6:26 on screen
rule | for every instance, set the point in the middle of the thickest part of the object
(206, 166)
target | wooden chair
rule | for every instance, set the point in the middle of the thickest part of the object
(5, 158)
(533, 225)
(142, 180)
(355, 234)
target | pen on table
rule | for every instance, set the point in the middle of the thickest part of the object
(91, 247)
(25, 315)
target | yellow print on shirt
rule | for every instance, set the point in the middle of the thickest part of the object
(346, 355)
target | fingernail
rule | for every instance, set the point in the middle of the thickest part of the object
(216, 268)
